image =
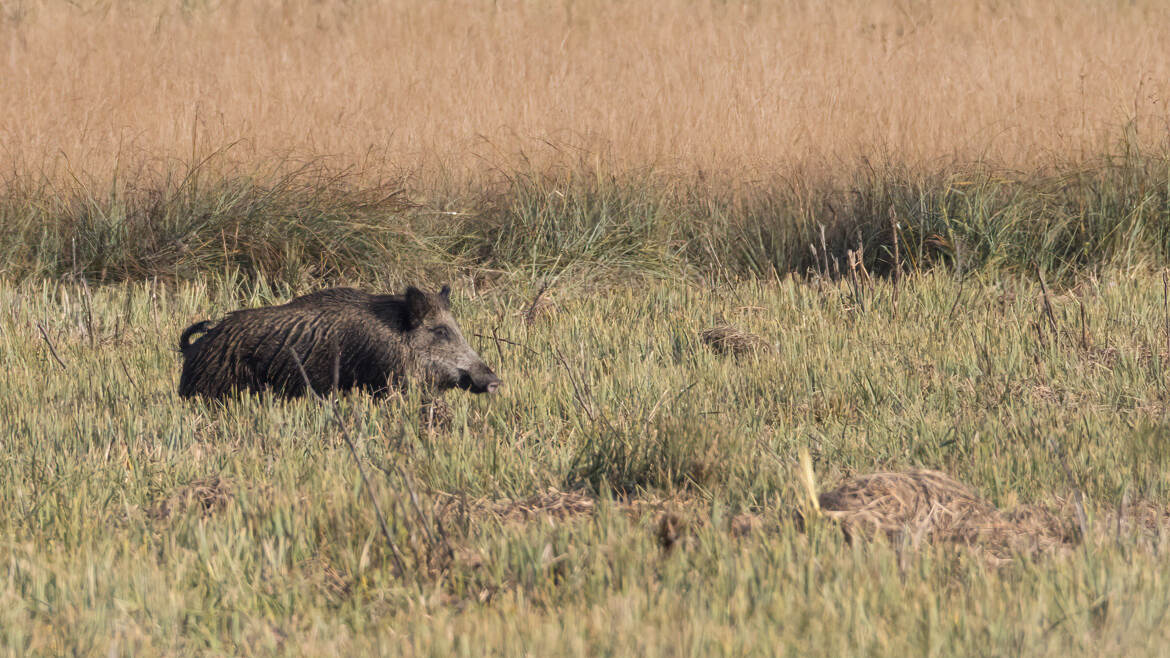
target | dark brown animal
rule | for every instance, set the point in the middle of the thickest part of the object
(343, 338)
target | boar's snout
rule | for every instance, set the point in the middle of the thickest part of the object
(479, 380)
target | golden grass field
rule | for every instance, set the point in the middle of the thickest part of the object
(464, 88)
(731, 260)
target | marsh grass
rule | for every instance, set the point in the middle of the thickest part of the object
(296, 225)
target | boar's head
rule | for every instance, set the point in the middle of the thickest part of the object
(437, 348)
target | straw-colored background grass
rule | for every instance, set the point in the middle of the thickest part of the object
(463, 86)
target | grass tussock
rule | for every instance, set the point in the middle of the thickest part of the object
(727, 339)
(673, 452)
(307, 222)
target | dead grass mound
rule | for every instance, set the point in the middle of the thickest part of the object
(209, 495)
(929, 506)
(729, 340)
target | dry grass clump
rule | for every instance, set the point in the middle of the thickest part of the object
(210, 495)
(924, 505)
(921, 502)
(727, 339)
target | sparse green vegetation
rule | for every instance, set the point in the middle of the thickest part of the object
(139, 523)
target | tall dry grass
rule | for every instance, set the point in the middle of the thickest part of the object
(460, 88)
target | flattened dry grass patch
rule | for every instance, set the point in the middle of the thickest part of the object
(929, 506)
(209, 495)
(727, 339)
(917, 506)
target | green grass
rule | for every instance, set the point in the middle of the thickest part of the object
(290, 222)
(613, 394)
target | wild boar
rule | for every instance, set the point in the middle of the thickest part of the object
(343, 338)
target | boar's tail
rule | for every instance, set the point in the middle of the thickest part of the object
(197, 328)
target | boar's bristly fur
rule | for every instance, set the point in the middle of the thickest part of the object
(344, 338)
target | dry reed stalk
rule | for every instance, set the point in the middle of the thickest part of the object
(52, 350)
(897, 267)
(1166, 310)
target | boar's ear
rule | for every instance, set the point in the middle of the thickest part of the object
(445, 296)
(418, 306)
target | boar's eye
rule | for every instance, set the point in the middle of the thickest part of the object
(441, 333)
